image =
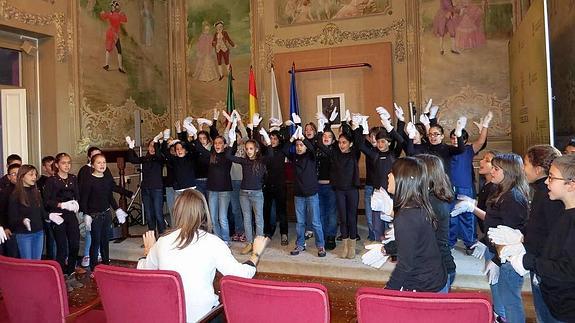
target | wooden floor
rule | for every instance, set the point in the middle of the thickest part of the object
(341, 293)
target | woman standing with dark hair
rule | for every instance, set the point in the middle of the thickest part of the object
(419, 262)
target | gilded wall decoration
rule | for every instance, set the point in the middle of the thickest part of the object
(109, 126)
(58, 20)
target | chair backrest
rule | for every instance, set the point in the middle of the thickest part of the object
(254, 300)
(383, 305)
(133, 295)
(33, 290)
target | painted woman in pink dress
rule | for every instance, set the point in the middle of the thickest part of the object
(115, 18)
(206, 69)
(446, 19)
(470, 33)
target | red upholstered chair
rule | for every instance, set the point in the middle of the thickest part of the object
(383, 305)
(133, 295)
(35, 291)
(254, 300)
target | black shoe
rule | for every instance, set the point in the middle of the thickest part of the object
(339, 238)
(121, 70)
(308, 235)
(357, 238)
(297, 250)
(330, 243)
(285, 240)
(468, 251)
(321, 252)
(106, 67)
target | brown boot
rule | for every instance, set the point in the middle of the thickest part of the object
(345, 250)
(351, 249)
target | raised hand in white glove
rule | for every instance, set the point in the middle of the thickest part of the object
(265, 137)
(504, 235)
(297, 134)
(355, 120)
(187, 122)
(383, 114)
(492, 272)
(433, 111)
(347, 116)
(398, 112)
(275, 122)
(333, 115)
(121, 215)
(487, 119)
(427, 107)
(478, 250)
(159, 136)
(27, 224)
(191, 129)
(56, 218)
(411, 130)
(236, 116)
(386, 124)
(256, 119)
(364, 125)
(296, 119)
(88, 222)
(227, 116)
(460, 125)
(232, 136)
(479, 124)
(463, 206)
(216, 115)
(166, 134)
(424, 119)
(321, 124)
(131, 143)
(3, 236)
(203, 121)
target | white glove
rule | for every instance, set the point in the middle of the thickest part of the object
(479, 250)
(232, 133)
(274, 122)
(190, 129)
(333, 115)
(492, 272)
(364, 125)
(121, 215)
(256, 119)
(504, 235)
(166, 134)
(296, 119)
(427, 106)
(511, 250)
(387, 124)
(433, 112)
(265, 136)
(347, 116)
(321, 124)
(374, 257)
(383, 114)
(382, 202)
(461, 122)
(204, 121)
(173, 142)
(88, 222)
(487, 119)
(236, 116)
(288, 123)
(56, 218)
(479, 124)
(411, 130)
(131, 143)
(70, 206)
(159, 136)
(389, 235)
(355, 120)
(187, 122)
(3, 236)
(26, 222)
(297, 134)
(463, 206)
(424, 119)
(399, 112)
(216, 115)
(517, 263)
(227, 116)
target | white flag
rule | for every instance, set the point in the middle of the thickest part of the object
(276, 111)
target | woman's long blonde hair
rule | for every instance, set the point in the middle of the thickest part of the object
(191, 214)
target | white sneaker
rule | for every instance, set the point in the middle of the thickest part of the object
(99, 258)
(86, 261)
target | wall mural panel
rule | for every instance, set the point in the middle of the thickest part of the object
(465, 59)
(123, 67)
(219, 39)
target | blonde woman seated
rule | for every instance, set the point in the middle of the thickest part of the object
(196, 254)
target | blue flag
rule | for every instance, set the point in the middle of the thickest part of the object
(293, 102)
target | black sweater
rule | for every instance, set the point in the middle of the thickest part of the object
(512, 210)
(59, 190)
(35, 211)
(556, 267)
(441, 210)
(96, 195)
(305, 171)
(152, 167)
(183, 167)
(543, 215)
(86, 171)
(419, 262)
(484, 194)
(5, 193)
(344, 166)
(275, 177)
(381, 161)
(253, 170)
(219, 179)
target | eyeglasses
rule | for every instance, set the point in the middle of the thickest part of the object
(13, 174)
(435, 134)
(552, 178)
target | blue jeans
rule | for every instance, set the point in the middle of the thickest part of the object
(170, 200)
(541, 309)
(202, 186)
(305, 205)
(100, 239)
(327, 210)
(462, 226)
(447, 287)
(30, 245)
(252, 200)
(368, 192)
(236, 208)
(219, 203)
(508, 290)
(153, 200)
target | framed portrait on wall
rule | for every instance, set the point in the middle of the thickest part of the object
(327, 103)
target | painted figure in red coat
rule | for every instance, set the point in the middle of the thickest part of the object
(445, 22)
(222, 43)
(115, 18)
